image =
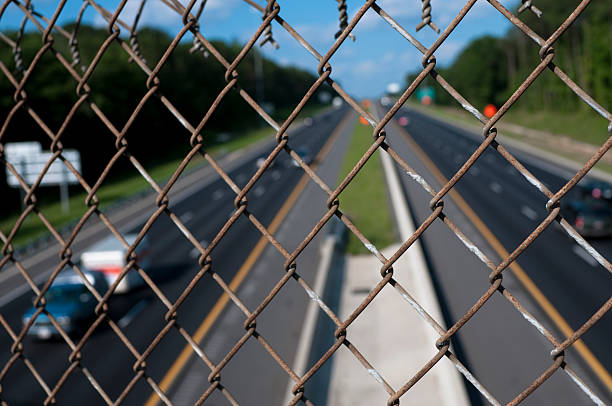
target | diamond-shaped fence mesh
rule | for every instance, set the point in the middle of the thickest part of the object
(124, 34)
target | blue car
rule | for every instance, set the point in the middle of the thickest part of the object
(70, 303)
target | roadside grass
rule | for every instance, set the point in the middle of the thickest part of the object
(121, 187)
(581, 125)
(365, 199)
(124, 186)
(116, 189)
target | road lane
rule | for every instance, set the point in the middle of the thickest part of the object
(550, 262)
(253, 372)
(174, 267)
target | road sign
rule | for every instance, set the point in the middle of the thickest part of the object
(16, 151)
(29, 160)
(426, 95)
(29, 167)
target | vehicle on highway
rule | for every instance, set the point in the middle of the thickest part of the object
(304, 155)
(588, 212)
(386, 101)
(69, 302)
(109, 258)
(598, 190)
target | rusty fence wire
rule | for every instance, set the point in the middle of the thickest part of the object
(272, 21)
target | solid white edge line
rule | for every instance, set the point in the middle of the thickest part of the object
(308, 328)
(582, 254)
(528, 212)
(186, 217)
(496, 187)
(455, 393)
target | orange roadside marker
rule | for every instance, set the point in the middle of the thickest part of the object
(490, 110)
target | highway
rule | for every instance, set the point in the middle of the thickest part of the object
(140, 313)
(502, 350)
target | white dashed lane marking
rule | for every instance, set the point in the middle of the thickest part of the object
(132, 313)
(259, 191)
(528, 212)
(217, 194)
(186, 217)
(496, 187)
(578, 250)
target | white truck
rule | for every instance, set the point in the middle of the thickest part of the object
(108, 257)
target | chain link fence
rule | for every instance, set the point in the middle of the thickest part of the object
(125, 34)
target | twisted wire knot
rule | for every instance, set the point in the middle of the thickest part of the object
(343, 19)
(268, 31)
(426, 17)
(527, 4)
(135, 45)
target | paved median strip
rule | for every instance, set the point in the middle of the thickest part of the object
(352, 385)
(454, 392)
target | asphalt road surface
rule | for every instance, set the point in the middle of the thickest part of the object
(140, 313)
(499, 347)
(502, 350)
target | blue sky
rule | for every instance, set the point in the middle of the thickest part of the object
(379, 55)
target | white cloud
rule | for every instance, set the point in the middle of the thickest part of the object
(366, 68)
(319, 35)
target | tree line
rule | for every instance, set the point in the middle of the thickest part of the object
(489, 69)
(190, 80)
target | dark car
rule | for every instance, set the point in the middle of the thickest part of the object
(597, 189)
(590, 216)
(70, 303)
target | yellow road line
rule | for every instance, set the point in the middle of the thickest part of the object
(244, 270)
(516, 269)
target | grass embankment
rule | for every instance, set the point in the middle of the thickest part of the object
(365, 198)
(122, 187)
(115, 190)
(572, 135)
(582, 125)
